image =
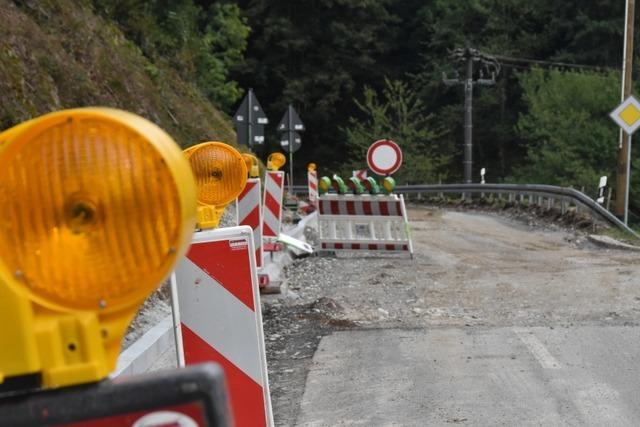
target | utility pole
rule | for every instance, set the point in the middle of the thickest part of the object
(624, 154)
(477, 65)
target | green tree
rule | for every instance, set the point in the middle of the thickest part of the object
(570, 138)
(396, 113)
(202, 42)
(317, 55)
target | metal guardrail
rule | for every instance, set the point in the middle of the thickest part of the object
(537, 194)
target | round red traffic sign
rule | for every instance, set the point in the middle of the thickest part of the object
(384, 157)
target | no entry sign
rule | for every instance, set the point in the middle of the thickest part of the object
(384, 157)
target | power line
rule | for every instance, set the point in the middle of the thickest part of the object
(503, 58)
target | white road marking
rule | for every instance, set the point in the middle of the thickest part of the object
(539, 351)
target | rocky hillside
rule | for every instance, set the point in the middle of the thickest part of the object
(57, 54)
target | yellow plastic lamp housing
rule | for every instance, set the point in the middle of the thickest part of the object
(221, 175)
(252, 164)
(275, 161)
(97, 206)
(311, 167)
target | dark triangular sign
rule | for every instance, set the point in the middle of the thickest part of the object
(290, 142)
(291, 121)
(250, 120)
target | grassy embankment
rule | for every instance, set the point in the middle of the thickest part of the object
(57, 54)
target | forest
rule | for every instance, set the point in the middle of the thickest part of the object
(360, 70)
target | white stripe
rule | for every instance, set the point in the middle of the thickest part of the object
(393, 208)
(248, 203)
(375, 207)
(270, 220)
(257, 238)
(342, 207)
(539, 351)
(325, 206)
(219, 318)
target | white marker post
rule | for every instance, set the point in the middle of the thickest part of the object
(601, 187)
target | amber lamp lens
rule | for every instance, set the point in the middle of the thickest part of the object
(90, 216)
(220, 172)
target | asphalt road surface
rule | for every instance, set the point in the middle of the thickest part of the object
(492, 323)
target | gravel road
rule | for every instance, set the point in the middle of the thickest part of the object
(471, 272)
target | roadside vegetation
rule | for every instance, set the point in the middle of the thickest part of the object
(355, 71)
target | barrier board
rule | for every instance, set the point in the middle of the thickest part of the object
(249, 212)
(363, 223)
(216, 305)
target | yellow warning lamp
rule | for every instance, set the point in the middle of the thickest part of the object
(275, 161)
(311, 167)
(97, 206)
(252, 164)
(221, 174)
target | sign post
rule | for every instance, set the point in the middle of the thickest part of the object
(250, 120)
(627, 116)
(290, 140)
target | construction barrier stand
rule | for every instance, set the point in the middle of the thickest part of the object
(216, 305)
(272, 207)
(249, 212)
(363, 223)
(312, 179)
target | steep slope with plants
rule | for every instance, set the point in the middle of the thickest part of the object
(62, 54)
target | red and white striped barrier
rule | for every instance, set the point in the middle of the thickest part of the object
(312, 179)
(272, 207)
(216, 305)
(249, 212)
(363, 223)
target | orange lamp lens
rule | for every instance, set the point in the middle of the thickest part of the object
(220, 172)
(91, 216)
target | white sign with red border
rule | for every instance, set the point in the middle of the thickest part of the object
(384, 157)
(216, 305)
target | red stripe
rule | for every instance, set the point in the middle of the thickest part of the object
(338, 246)
(276, 177)
(355, 246)
(245, 395)
(313, 185)
(252, 219)
(351, 207)
(324, 246)
(334, 210)
(405, 248)
(398, 209)
(390, 247)
(272, 204)
(258, 258)
(373, 247)
(225, 266)
(246, 189)
(366, 207)
(384, 208)
(267, 231)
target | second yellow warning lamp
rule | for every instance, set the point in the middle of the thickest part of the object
(275, 161)
(97, 206)
(221, 174)
(253, 166)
